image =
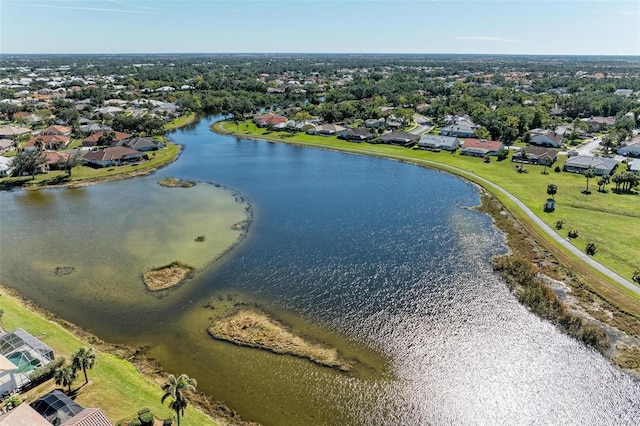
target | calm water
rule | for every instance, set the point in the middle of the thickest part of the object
(372, 256)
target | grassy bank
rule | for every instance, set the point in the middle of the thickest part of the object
(115, 384)
(85, 174)
(605, 219)
(181, 121)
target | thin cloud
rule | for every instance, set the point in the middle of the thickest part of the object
(129, 4)
(627, 12)
(486, 38)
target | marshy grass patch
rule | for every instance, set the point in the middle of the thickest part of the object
(166, 276)
(176, 183)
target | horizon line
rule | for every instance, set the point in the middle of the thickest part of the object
(316, 53)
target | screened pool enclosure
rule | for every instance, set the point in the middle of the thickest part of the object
(20, 353)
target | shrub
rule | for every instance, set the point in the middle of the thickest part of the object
(503, 154)
(636, 276)
(143, 411)
(591, 249)
(200, 238)
(135, 422)
(146, 419)
(167, 422)
(487, 159)
(557, 169)
(573, 234)
(44, 373)
(559, 224)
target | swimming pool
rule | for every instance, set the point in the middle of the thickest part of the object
(23, 360)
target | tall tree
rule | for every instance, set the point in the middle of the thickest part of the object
(65, 376)
(84, 359)
(28, 163)
(588, 174)
(175, 389)
(552, 189)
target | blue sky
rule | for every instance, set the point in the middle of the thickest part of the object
(579, 27)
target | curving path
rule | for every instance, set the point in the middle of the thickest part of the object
(549, 231)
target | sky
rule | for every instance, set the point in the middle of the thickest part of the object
(564, 27)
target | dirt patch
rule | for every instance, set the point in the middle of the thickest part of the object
(166, 276)
(253, 328)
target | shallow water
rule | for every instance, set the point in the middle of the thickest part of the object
(366, 254)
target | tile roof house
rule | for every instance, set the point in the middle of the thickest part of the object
(57, 130)
(94, 139)
(6, 145)
(88, 417)
(536, 155)
(11, 132)
(47, 142)
(448, 143)
(480, 147)
(116, 155)
(579, 164)
(269, 120)
(23, 415)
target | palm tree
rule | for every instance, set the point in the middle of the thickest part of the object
(84, 358)
(175, 388)
(64, 376)
(589, 173)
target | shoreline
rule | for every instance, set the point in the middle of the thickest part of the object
(574, 295)
(146, 366)
(116, 177)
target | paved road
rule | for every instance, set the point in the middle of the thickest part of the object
(422, 128)
(588, 146)
(551, 232)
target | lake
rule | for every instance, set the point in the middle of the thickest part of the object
(384, 260)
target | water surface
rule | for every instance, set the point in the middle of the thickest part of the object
(373, 256)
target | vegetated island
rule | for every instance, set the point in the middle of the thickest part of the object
(253, 328)
(176, 183)
(166, 276)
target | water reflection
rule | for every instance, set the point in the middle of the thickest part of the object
(383, 253)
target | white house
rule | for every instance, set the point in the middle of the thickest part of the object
(6, 166)
(448, 143)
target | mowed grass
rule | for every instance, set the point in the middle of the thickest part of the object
(183, 120)
(85, 173)
(115, 385)
(608, 220)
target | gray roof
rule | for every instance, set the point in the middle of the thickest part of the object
(56, 407)
(438, 140)
(584, 161)
(10, 342)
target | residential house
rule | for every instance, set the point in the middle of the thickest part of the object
(58, 409)
(634, 167)
(375, 123)
(113, 156)
(269, 120)
(458, 131)
(23, 415)
(57, 130)
(448, 143)
(597, 124)
(47, 142)
(27, 117)
(580, 163)
(12, 132)
(536, 155)
(481, 147)
(141, 144)
(399, 138)
(6, 145)
(110, 111)
(357, 134)
(6, 166)
(631, 148)
(623, 92)
(26, 353)
(545, 138)
(326, 130)
(105, 138)
(88, 417)
(57, 160)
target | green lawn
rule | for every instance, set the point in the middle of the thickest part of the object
(180, 121)
(607, 219)
(82, 173)
(114, 384)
